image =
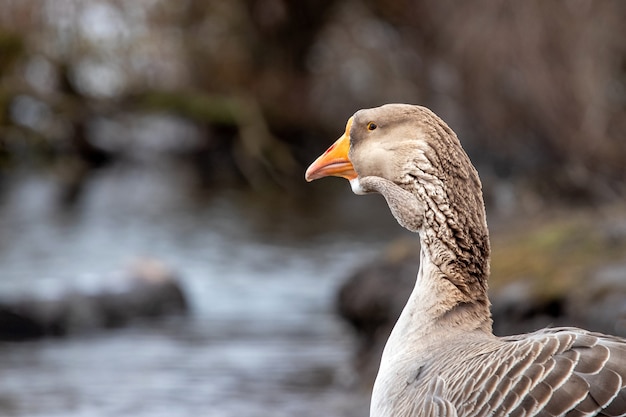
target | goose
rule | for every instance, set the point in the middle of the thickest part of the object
(442, 358)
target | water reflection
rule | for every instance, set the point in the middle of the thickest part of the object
(263, 338)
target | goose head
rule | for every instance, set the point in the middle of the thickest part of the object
(379, 142)
(403, 147)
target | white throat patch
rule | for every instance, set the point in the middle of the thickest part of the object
(356, 186)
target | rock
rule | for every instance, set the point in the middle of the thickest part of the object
(146, 290)
(600, 302)
(597, 303)
(516, 309)
(14, 325)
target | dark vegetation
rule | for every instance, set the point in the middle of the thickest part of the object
(536, 90)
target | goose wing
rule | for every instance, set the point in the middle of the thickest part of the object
(552, 372)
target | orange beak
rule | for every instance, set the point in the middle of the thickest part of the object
(335, 161)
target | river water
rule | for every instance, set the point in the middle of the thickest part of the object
(261, 272)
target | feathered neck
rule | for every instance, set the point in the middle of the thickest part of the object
(454, 232)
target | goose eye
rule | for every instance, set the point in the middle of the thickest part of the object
(371, 126)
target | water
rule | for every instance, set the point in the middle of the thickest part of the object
(261, 274)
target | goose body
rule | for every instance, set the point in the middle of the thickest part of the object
(442, 358)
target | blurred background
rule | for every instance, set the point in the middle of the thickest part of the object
(160, 251)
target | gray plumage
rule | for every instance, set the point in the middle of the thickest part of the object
(442, 358)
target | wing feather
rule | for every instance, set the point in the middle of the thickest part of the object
(542, 394)
(553, 372)
(604, 387)
(556, 372)
(592, 364)
(583, 376)
(566, 397)
(439, 405)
